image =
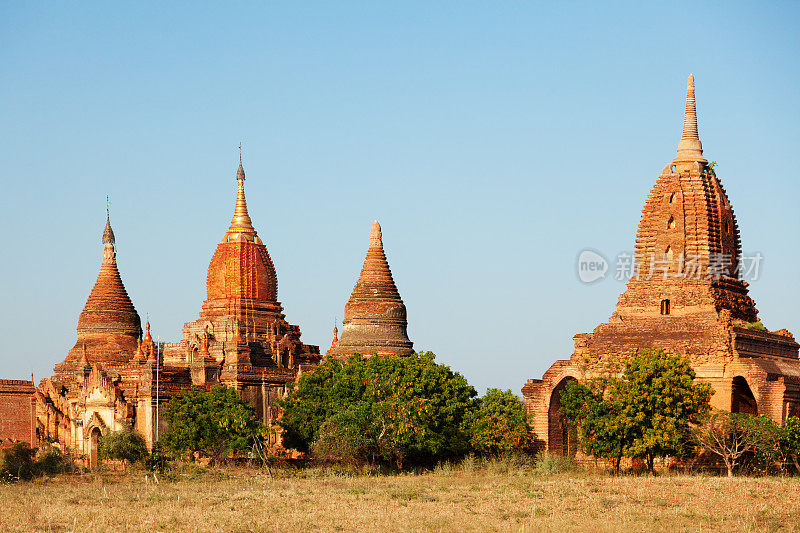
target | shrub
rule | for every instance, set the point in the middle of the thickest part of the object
(124, 445)
(17, 462)
(52, 461)
(216, 422)
(547, 464)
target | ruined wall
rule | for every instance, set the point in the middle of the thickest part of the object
(17, 412)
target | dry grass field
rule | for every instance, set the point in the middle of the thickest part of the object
(454, 499)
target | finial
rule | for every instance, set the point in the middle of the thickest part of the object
(241, 227)
(375, 237)
(689, 147)
(240, 170)
(108, 233)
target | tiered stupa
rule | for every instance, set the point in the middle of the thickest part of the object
(375, 316)
(108, 326)
(242, 338)
(685, 297)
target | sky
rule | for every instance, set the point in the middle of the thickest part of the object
(493, 141)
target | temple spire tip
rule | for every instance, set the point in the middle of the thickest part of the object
(689, 147)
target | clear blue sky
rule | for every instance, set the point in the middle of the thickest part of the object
(493, 142)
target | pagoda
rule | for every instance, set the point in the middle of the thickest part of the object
(375, 316)
(686, 297)
(242, 338)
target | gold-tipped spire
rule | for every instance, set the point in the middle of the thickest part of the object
(689, 147)
(241, 227)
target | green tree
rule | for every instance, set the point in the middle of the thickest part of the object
(789, 441)
(399, 407)
(733, 436)
(216, 422)
(647, 412)
(499, 424)
(660, 398)
(124, 445)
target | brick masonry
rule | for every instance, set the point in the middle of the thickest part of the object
(703, 313)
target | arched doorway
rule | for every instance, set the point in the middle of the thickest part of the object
(742, 399)
(94, 444)
(562, 437)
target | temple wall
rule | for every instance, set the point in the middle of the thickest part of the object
(17, 412)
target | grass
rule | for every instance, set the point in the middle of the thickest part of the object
(480, 497)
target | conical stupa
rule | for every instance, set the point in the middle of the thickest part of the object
(375, 316)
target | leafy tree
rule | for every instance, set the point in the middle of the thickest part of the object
(604, 431)
(662, 401)
(499, 424)
(124, 445)
(216, 422)
(646, 412)
(733, 435)
(392, 408)
(789, 441)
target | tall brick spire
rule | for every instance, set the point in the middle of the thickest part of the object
(375, 316)
(689, 147)
(109, 325)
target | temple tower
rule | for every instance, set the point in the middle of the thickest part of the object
(686, 297)
(108, 326)
(375, 316)
(242, 338)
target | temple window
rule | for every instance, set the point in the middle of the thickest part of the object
(671, 223)
(664, 307)
(671, 197)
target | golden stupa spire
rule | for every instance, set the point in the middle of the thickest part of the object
(241, 227)
(689, 147)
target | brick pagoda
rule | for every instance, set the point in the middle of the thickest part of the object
(375, 316)
(686, 298)
(242, 338)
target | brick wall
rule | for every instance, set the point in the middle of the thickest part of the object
(17, 411)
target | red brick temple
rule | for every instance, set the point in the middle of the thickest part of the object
(688, 299)
(375, 315)
(115, 376)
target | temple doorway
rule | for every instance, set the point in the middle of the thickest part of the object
(742, 399)
(562, 437)
(94, 444)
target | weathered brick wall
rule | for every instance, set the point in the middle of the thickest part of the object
(17, 411)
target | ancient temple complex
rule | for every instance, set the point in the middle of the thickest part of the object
(116, 375)
(375, 316)
(686, 297)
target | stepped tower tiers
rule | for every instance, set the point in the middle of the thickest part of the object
(108, 379)
(108, 326)
(685, 297)
(242, 337)
(375, 316)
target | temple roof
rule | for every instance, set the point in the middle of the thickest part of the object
(688, 238)
(241, 228)
(108, 317)
(375, 315)
(241, 267)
